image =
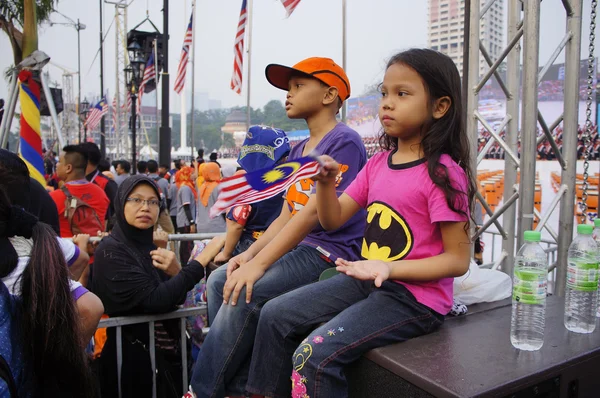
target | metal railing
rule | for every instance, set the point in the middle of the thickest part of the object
(181, 314)
(120, 321)
(551, 249)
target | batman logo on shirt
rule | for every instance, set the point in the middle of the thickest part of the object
(387, 235)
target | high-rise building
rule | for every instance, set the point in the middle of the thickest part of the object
(446, 30)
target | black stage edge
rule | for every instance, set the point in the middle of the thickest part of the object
(471, 356)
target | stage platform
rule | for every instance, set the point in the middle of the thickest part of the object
(471, 356)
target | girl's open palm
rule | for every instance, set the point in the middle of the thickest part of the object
(365, 270)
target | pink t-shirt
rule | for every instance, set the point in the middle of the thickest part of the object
(404, 208)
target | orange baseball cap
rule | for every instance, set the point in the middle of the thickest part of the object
(323, 69)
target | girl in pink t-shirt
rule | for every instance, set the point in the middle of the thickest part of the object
(417, 194)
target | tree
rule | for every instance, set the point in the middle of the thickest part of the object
(12, 22)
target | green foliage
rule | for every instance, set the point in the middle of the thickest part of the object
(208, 124)
(12, 10)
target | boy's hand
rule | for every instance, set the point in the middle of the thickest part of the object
(365, 270)
(237, 261)
(329, 170)
(221, 258)
(246, 276)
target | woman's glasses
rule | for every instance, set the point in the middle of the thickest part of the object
(138, 202)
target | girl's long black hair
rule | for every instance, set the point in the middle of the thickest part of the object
(49, 318)
(445, 135)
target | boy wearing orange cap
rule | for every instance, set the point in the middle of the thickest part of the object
(293, 251)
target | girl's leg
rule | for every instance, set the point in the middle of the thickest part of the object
(286, 320)
(389, 315)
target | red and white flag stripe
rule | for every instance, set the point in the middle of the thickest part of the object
(185, 55)
(290, 6)
(238, 51)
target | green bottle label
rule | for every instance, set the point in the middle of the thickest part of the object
(529, 285)
(582, 276)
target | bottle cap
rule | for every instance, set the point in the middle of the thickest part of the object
(597, 222)
(585, 229)
(532, 236)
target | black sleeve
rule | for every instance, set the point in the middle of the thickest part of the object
(172, 292)
(111, 191)
(188, 212)
(42, 205)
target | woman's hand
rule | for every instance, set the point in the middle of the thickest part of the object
(365, 270)
(81, 240)
(161, 239)
(210, 250)
(165, 261)
(329, 170)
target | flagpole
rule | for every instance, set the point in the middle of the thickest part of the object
(182, 96)
(249, 61)
(344, 52)
(193, 62)
(156, 92)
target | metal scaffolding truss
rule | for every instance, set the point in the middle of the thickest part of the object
(524, 32)
(121, 61)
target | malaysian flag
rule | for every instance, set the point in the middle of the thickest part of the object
(262, 184)
(290, 6)
(185, 56)
(114, 113)
(238, 51)
(96, 113)
(149, 75)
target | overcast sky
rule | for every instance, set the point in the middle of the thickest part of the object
(376, 30)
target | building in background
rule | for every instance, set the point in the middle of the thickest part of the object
(235, 125)
(445, 31)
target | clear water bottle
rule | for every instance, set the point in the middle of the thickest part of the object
(596, 236)
(581, 293)
(529, 294)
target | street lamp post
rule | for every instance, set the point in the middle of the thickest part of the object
(84, 110)
(78, 27)
(133, 76)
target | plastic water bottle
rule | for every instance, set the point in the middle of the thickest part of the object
(581, 293)
(529, 294)
(596, 236)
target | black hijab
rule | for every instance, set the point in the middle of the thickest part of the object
(123, 272)
(124, 231)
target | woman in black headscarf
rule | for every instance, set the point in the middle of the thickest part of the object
(133, 276)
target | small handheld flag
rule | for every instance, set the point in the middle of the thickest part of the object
(262, 184)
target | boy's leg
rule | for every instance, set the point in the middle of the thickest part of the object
(389, 315)
(286, 320)
(232, 330)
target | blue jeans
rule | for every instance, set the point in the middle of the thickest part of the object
(224, 358)
(358, 316)
(243, 244)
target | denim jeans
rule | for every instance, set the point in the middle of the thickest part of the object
(224, 358)
(243, 244)
(358, 317)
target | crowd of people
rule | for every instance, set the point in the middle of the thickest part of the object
(544, 149)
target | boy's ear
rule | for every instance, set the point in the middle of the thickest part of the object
(441, 106)
(331, 96)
